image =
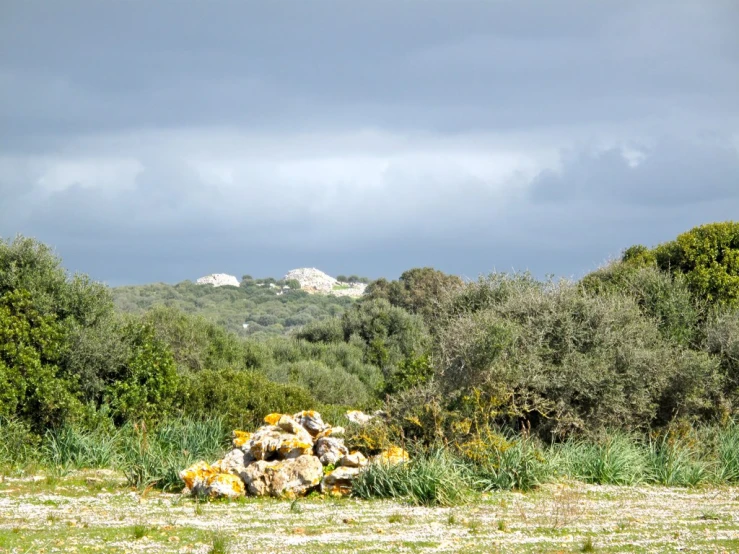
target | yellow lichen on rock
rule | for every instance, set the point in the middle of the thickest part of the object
(272, 419)
(240, 438)
(393, 456)
(226, 484)
(292, 448)
(197, 474)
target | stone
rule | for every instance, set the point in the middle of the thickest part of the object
(219, 280)
(258, 477)
(355, 459)
(234, 462)
(292, 477)
(358, 417)
(196, 476)
(296, 477)
(392, 456)
(311, 421)
(240, 438)
(330, 432)
(330, 450)
(294, 448)
(339, 481)
(272, 419)
(289, 425)
(226, 485)
(270, 442)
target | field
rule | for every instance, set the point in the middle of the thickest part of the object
(96, 512)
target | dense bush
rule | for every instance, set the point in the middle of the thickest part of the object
(707, 255)
(660, 295)
(418, 291)
(568, 359)
(242, 398)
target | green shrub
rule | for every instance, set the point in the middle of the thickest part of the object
(327, 385)
(660, 295)
(243, 398)
(18, 446)
(708, 256)
(728, 454)
(419, 291)
(722, 342)
(32, 385)
(147, 385)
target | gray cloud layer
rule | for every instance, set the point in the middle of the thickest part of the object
(161, 141)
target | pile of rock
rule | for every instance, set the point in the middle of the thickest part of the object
(219, 280)
(289, 456)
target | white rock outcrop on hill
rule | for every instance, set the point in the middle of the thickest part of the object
(312, 279)
(219, 280)
(315, 280)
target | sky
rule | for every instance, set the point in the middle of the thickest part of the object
(163, 141)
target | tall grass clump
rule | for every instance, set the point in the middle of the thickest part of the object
(434, 479)
(18, 444)
(518, 464)
(75, 448)
(618, 459)
(727, 470)
(155, 458)
(673, 462)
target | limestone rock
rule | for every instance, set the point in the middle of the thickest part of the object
(296, 477)
(258, 477)
(358, 417)
(355, 459)
(219, 280)
(283, 478)
(234, 462)
(311, 421)
(312, 279)
(330, 432)
(339, 481)
(330, 450)
(226, 484)
(196, 476)
(289, 425)
(270, 442)
(240, 438)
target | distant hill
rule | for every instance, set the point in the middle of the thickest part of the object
(259, 307)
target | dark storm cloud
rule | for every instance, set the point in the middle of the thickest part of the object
(163, 140)
(673, 172)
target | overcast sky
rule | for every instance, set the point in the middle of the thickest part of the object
(162, 141)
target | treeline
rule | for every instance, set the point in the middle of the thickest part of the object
(266, 307)
(648, 344)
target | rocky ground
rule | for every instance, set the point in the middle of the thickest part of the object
(96, 512)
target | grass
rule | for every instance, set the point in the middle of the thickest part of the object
(220, 543)
(617, 459)
(139, 531)
(588, 545)
(434, 479)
